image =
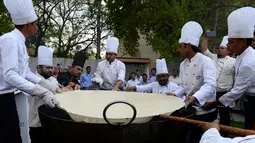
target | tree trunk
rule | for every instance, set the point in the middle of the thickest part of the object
(38, 43)
(215, 18)
(98, 28)
(41, 33)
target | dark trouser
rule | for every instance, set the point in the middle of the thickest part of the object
(224, 112)
(9, 120)
(196, 133)
(36, 135)
(249, 112)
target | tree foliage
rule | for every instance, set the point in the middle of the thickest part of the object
(62, 25)
(66, 24)
(5, 20)
(161, 21)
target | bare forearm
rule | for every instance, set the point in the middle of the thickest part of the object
(204, 45)
(118, 84)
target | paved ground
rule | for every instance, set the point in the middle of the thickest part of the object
(237, 116)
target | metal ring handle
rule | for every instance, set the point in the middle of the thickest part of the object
(119, 124)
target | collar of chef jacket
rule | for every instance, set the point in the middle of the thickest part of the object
(19, 35)
(225, 57)
(108, 63)
(244, 53)
(193, 59)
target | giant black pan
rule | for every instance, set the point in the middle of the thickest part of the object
(59, 127)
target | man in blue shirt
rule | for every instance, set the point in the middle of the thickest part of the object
(86, 78)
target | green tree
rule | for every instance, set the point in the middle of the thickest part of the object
(161, 21)
(6, 24)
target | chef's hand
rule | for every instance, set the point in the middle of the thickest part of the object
(210, 105)
(50, 100)
(47, 96)
(115, 89)
(67, 88)
(170, 94)
(54, 88)
(205, 34)
(72, 84)
(130, 88)
(190, 99)
(206, 126)
(77, 87)
(64, 89)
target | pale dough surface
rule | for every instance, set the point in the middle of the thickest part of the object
(88, 106)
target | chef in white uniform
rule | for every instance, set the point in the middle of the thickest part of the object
(198, 76)
(225, 72)
(14, 71)
(44, 71)
(240, 35)
(162, 85)
(212, 135)
(111, 70)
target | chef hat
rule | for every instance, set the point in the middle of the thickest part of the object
(80, 58)
(45, 56)
(191, 33)
(161, 66)
(22, 11)
(241, 23)
(224, 42)
(112, 45)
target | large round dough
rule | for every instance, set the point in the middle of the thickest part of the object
(88, 105)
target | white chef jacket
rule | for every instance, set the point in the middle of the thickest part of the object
(111, 73)
(35, 102)
(198, 77)
(140, 79)
(14, 70)
(176, 80)
(213, 136)
(244, 78)
(132, 82)
(225, 71)
(155, 87)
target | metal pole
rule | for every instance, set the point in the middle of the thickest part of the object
(98, 28)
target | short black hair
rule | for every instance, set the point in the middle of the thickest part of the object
(21, 26)
(153, 69)
(132, 73)
(249, 41)
(88, 67)
(137, 70)
(194, 48)
(145, 74)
